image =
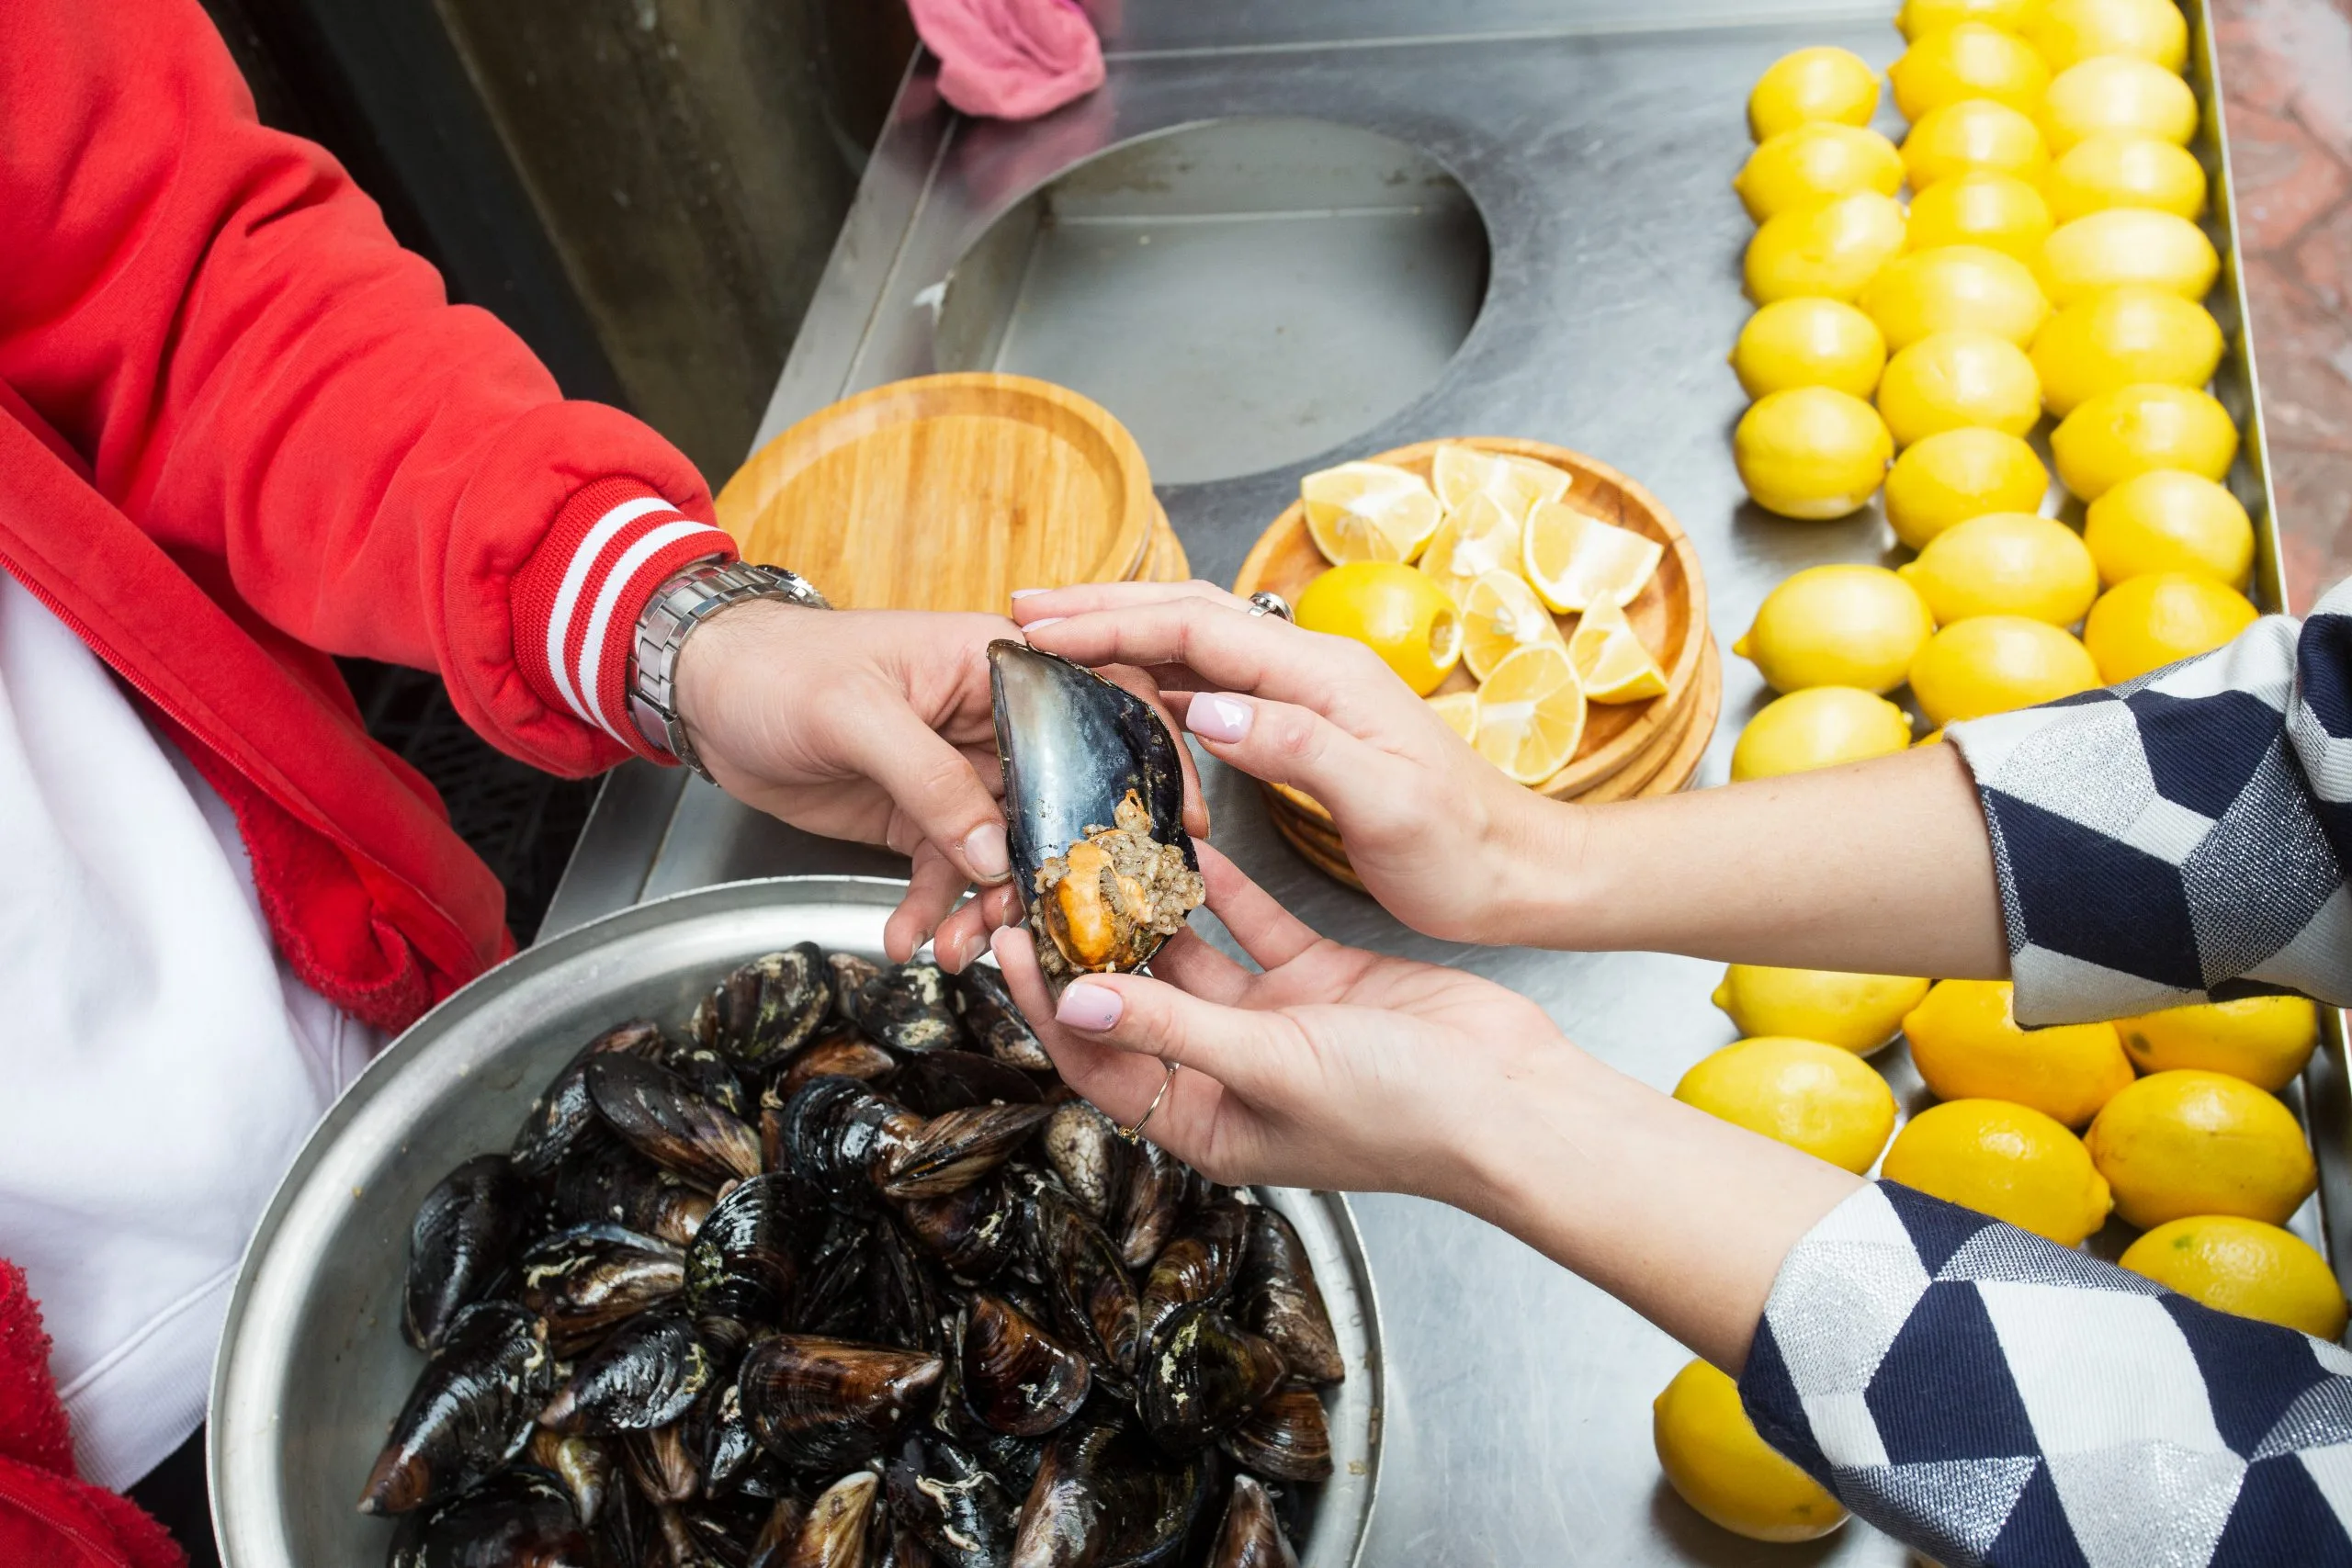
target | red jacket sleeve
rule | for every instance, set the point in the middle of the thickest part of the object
(216, 319)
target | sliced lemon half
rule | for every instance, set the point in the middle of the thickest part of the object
(1531, 714)
(1475, 538)
(1459, 711)
(1516, 484)
(1368, 511)
(1575, 561)
(1610, 660)
(1500, 615)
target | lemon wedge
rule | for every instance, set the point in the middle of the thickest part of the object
(1500, 616)
(1516, 484)
(1459, 711)
(1531, 714)
(1610, 660)
(1577, 562)
(1368, 511)
(1475, 538)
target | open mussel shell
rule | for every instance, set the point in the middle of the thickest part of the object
(587, 1280)
(465, 1234)
(745, 1261)
(646, 1375)
(1201, 1377)
(960, 1512)
(1093, 786)
(1250, 1536)
(1104, 1496)
(1018, 1379)
(469, 1412)
(935, 1082)
(773, 1005)
(1276, 1295)
(521, 1517)
(1288, 1438)
(822, 1404)
(1198, 1266)
(958, 1148)
(565, 1111)
(659, 1114)
(994, 1020)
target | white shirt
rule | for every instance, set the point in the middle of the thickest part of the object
(159, 1067)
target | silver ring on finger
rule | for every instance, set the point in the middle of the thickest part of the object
(1135, 1133)
(1266, 602)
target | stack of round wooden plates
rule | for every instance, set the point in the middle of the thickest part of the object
(947, 492)
(1629, 749)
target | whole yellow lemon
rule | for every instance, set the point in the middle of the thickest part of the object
(1854, 1012)
(1808, 1095)
(1815, 163)
(1721, 1465)
(2122, 337)
(1833, 250)
(2000, 212)
(1968, 59)
(1819, 727)
(1920, 17)
(1998, 663)
(1966, 1043)
(2164, 520)
(1955, 289)
(1973, 135)
(2100, 171)
(2264, 1040)
(2146, 623)
(2120, 435)
(2184, 1142)
(2126, 245)
(2009, 1161)
(1809, 342)
(1950, 477)
(2116, 94)
(2243, 1266)
(1811, 452)
(2070, 30)
(1396, 610)
(2005, 563)
(1812, 84)
(1838, 625)
(1959, 381)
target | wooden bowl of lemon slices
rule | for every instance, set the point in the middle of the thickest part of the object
(1567, 639)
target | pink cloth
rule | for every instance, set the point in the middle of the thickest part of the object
(1009, 59)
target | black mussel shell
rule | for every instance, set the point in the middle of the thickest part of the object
(745, 1260)
(604, 1181)
(935, 1082)
(564, 1110)
(586, 1280)
(845, 1055)
(1201, 1377)
(627, 1531)
(851, 973)
(1160, 1187)
(1198, 1266)
(518, 1518)
(772, 1005)
(712, 1074)
(583, 1465)
(822, 1404)
(661, 1464)
(645, 1375)
(779, 1532)
(1010, 1460)
(464, 1235)
(469, 1412)
(1287, 1439)
(1105, 1498)
(1092, 1299)
(725, 1531)
(838, 1134)
(1017, 1378)
(903, 1548)
(1250, 1537)
(994, 1022)
(963, 1513)
(834, 1290)
(840, 1526)
(971, 1231)
(1088, 1154)
(1276, 1295)
(906, 1007)
(907, 1303)
(959, 1147)
(719, 1438)
(659, 1114)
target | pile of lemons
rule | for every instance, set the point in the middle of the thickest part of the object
(1470, 566)
(2049, 266)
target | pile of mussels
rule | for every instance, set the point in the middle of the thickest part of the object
(845, 1277)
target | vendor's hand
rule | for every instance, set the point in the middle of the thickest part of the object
(1442, 838)
(1333, 1068)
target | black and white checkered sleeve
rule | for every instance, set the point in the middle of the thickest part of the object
(2182, 836)
(1993, 1399)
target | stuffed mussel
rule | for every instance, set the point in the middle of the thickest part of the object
(835, 1273)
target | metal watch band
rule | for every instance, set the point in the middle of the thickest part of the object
(692, 596)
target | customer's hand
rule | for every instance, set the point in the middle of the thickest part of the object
(874, 726)
(1442, 838)
(1333, 1068)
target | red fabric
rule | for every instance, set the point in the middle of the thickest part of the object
(49, 1520)
(241, 430)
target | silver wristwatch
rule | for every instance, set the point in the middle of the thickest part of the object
(678, 607)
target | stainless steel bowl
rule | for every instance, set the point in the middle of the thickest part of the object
(312, 1366)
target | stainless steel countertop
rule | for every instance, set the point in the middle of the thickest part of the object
(1599, 142)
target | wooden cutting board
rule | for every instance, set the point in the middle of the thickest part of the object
(947, 492)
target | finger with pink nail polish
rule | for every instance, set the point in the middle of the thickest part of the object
(1214, 717)
(1091, 1008)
